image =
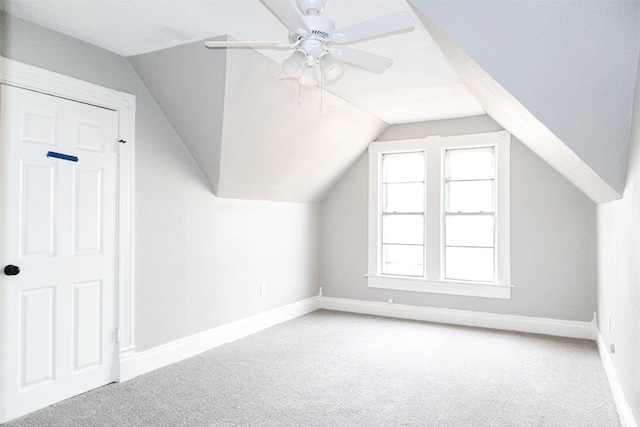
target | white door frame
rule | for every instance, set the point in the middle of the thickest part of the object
(26, 76)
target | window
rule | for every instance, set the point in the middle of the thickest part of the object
(469, 214)
(439, 215)
(403, 214)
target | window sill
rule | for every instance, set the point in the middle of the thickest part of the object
(449, 287)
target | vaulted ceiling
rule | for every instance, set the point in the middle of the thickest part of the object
(558, 75)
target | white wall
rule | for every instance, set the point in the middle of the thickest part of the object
(553, 238)
(200, 259)
(619, 272)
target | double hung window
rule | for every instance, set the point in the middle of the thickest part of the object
(403, 213)
(439, 215)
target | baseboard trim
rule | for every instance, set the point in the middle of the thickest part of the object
(175, 351)
(127, 367)
(624, 410)
(561, 328)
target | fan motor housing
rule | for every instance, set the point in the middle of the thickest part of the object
(321, 28)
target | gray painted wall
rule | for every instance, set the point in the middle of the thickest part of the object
(475, 124)
(619, 272)
(188, 83)
(553, 238)
(571, 64)
(200, 259)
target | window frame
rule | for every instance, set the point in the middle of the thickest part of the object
(433, 280)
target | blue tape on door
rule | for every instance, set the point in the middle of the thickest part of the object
(62, 156)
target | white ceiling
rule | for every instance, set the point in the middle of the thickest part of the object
(420, 85)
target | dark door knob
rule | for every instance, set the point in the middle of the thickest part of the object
(11, 270)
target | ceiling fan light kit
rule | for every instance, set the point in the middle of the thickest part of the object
(318, 57)
(331, 68)
(293, 65)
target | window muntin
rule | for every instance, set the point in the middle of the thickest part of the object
(464, 206)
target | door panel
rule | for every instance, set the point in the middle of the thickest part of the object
(37, 328)
(87, 213)
(38, 194)
(57, 324)
(87, 325)
(38, 127)
(88, 137)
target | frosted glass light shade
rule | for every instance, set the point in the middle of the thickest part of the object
(332, 69)
(294, 64)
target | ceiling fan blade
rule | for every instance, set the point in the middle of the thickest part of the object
(267, 45)
(287, 14)
(361, 59)
(397, 21)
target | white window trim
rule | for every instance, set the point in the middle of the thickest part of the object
(432, 281)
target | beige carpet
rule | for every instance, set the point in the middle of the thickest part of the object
(335, 369)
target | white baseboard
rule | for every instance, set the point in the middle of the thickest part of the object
(624, 410)
(175, 351)
(561, 328)
(127, 366)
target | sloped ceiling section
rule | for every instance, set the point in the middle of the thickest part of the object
(247, 131)
(570, 65)
(503, 107)
(189, 86)
(282, 142)
(558, 75)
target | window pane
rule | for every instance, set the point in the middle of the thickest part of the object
(403, 260)
(408, 229)
(403, 197)
(469, 163)
(469, 264)
(469, 230)
(469, 196)
(403, 167)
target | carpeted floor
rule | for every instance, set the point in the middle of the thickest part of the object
(337, 369)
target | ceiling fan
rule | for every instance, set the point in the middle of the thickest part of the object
(318, 47)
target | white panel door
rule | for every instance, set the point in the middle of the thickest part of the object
(59, 205)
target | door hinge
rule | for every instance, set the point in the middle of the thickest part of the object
(117, 335)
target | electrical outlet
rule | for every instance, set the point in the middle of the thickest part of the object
(390, 300)
(263, 289)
